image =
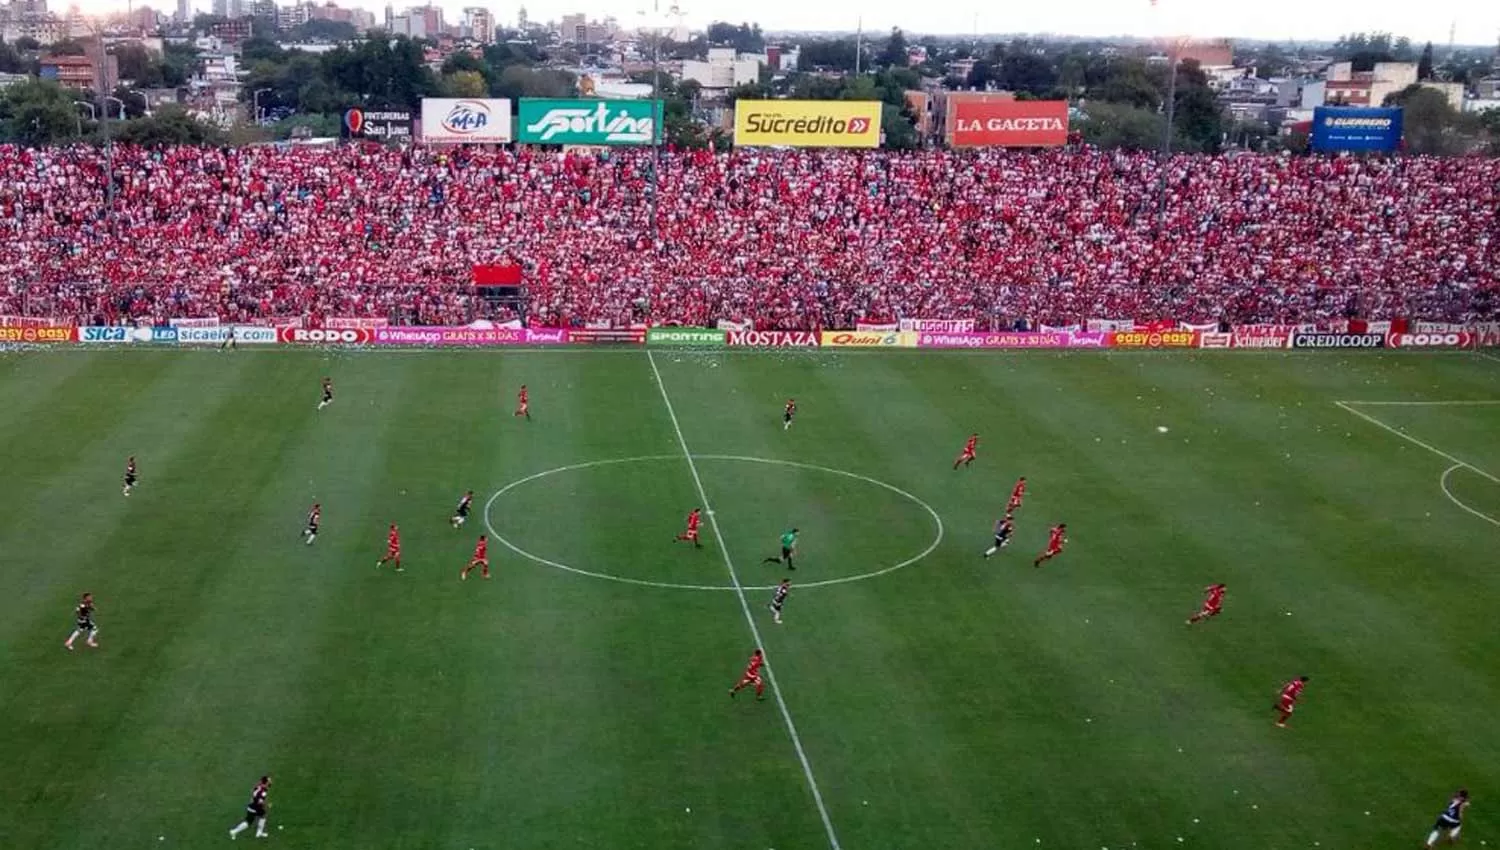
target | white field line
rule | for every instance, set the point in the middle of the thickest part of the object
(1488, 356)
(1414, 441)
(1418, 403)
(1443, 483)
(786, 715)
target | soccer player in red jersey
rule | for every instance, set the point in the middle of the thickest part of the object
(1017, 493)
(523, 403)
(752, 676)
(461, 513)
(1059, 536)
(1211, 605)
(970, 451)
(392, 548)
(786, 417)
(314, 517)
(481, 559)
(1287, 703)
(691, 535)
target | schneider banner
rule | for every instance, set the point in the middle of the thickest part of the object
(1349, 128)
(685, 337)
(807, 123)
(484, 121)
(589, 122)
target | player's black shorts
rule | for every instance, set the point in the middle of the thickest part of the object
(786, 417)
(327, 396)
(463, 511)
(130, 481)
(1001, 541)
(1444, 823)
(254, 812)
(786, 554)
(776, 606)
(85, 624)
(312, 528)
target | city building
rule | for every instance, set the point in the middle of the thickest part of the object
(479, 25)
(82, 73)
(184, 13)
(291, 17)
(723, 71)
(578, 29)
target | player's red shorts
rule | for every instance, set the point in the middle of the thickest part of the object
(1053, 551)
(393, 552)
(1012, 505)
(691, 534)
(1287, 705)
(481, 562)
(751, 680)
(1209, 611)
(523, 407)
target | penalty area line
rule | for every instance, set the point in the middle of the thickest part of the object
(1414, 441)
(786, 714)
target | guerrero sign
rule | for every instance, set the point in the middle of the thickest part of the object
(1013, 123)
(1347, 128)
(807, 123)
(483, 121)
(766, 339)
(684, 336)
(585, 122)
(382, 125)
(867, 339)
(40, 333)
(1154, 339)
(1305, 340)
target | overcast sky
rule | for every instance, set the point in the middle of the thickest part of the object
(1477, 21)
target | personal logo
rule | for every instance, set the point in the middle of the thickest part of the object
(467, 117)
(590, 123)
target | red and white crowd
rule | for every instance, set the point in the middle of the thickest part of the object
(784, 239)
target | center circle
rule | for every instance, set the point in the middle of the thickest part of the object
(937, 522)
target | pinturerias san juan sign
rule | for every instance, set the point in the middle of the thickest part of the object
(589, 122)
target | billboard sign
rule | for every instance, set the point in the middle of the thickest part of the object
(1011, 339)
(589, 122)
(380, 125)
(1154, 339)
(325, 336)
(865, 339)
(39, 333)
(1009, 123)
(807, 123)
(1349, 128)
(685, 336)
(466, 120)
(1334, 340)
(773, 339)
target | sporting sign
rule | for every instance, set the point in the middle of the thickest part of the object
(589, 122)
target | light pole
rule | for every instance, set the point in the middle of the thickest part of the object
(108, 100)
(255, 102)
(93, 114)
(145, 101)
(656, 107)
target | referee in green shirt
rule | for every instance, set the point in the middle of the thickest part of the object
(788, 549)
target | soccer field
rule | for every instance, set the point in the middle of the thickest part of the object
(922, 697)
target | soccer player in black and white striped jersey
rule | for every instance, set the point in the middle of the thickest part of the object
(780, 599)
(461, 513)
(84, 623)
(255, 810)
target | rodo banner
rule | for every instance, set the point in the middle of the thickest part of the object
(773, 339)
(1154, 339)
(1450, 339)
(1316, 340)
(867, 339)
(325, 336)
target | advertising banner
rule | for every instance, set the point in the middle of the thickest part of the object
(434, 335)
(339, 323)
(865, 339)
(381, 125)
(1450, 339)
(807, 123)
(211, 321)
(1351, 128)
(589, 122)
(946, 326)
(1316, 340)
(243, 335)
(685, 337)
(28, 322)
(478, 121)
(1214, 339)
(773, 339)
(1011, 339)
(39, 334)
(547, 336)
(325, 336)
(733, 325)
(634, 336)
(120, 333)
(1154, 339)
(877, 326)
(1009, 123)
(1108, 325)
(1420, 327)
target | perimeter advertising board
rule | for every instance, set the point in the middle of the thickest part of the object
(589, 122)
(381, 125)
(466, 120)
(1013, 123)
(807, 123)
(1348, 128)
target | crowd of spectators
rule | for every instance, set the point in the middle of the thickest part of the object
(788, 239)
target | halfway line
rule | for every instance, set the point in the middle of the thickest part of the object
(734, 579)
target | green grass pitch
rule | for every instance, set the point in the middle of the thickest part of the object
(952, 704)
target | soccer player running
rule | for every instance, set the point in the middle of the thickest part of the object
(523, 403)
(481, 559)
(84, 623)
(461, 513)
(786, 417)
(752, 676)
(788, 549)
(129, 476)
(1212, 604)
(779, 599)
(327, 393)
(392, 549)
(694, 519)
(314, 517)
(1017, 493)
(971, 450)
(1004, 528)
(1058, 536)
(1451, 820)
(1287, 702)
(255, 810)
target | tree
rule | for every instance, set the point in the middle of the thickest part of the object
(898, 125)
(465, 84)
(1198, 120)
(11, 60)
(827, 54)
(518, 81)
(1027, 72)
(319, 30)
(981, 75)
(38, 112)
(1430, 125)
(179, 63)
(68, 47)
(381, 73)
(895, 54)
(1117, 125)
(1129, 84)
(1424, 65)
(138, 65)
(744, 38)
(172, 125)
